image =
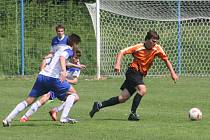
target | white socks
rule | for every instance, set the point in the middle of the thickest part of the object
(33, 109)
(69, 103)
(20, 107)
(59, 108)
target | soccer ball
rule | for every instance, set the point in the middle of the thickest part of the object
(195, 114)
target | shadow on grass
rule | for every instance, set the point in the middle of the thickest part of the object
(33, 123)
(109, 119)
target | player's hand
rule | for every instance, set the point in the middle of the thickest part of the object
(117, 70)
(63, 76)
(174, 77)
(82, 66)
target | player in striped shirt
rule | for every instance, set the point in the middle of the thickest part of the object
(143, 57)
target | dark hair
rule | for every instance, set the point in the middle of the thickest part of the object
(74, 38)
(152, 34)
(59, 27)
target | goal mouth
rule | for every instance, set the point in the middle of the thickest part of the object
(184, 36)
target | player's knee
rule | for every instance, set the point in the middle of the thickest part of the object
(123, 99)
(76, 97)
(125, 95)
(142, 90)
(30, 100)
(142, 93)
(44, 99)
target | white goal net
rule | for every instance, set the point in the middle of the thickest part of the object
(183, 26)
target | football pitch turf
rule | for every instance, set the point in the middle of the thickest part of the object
(163, 112)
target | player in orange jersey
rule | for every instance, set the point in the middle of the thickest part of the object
(144, 54)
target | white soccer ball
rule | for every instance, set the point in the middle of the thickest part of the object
(195, 114)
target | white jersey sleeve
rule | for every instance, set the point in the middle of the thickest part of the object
(53, 68)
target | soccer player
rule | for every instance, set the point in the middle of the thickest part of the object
(59, 40)
(51, 78)
(73, 70)
(143, 56)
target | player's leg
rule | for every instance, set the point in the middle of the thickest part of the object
(19, 107)
(135, 83)
(67, 107)
(55, 110)
(36, 91)
(62, 88)
(44, 98)
(141, 91)
(52, 97)
(125, 95)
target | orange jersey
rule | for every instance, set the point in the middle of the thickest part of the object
(143, 58)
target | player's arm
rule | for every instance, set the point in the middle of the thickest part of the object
(118, 61)
(63, 57)
(164, 57)
(63, 68)
(43, 63)
(50, 55)
(119, 56)
(81, 66)
(73, 81)
(173, 74)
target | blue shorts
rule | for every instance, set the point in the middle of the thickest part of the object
(52, 95)
(61, 97)
(44, 84)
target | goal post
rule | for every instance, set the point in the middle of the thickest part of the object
(183, 26)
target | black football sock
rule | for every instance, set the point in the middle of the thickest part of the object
(110, 102)
(136, 102)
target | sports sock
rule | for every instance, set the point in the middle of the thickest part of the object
(110, 102)
(59, 108)
(33, 108)
(20, 107)
(136, 101)
(69, 103)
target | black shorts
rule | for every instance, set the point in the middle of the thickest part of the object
(133, 78)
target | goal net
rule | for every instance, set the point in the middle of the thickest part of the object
(183, 26)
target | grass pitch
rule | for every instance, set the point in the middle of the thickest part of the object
(163, 112)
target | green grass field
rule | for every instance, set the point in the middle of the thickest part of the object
(163, 111)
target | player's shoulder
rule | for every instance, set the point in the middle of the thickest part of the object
(69, 50)
(159, 47)
(138, 47)
(134, 47)
(54, 38)
(66, 36)
(63, 49)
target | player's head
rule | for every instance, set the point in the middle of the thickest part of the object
(151, 39)
(78, 54)
(74, 40)
(60, 29)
